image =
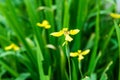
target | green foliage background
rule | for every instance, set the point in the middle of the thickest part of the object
(34, 61)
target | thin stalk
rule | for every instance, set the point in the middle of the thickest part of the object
(108, 39)
(74, 69)
(62, 63)
(106, 69)
(79, 65)
(68, 56)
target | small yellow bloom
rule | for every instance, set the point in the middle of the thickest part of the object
(12, 46)
(66, 33)
(114, 15)
(79, 54)
(44, 24)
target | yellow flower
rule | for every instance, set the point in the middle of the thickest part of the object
(12, 46)
(44, 24)
(114, 15)
(79, 54)
(66, 33)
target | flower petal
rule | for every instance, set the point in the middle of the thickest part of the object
(85, 52)
(39, 24)
(114, 15)
(50, 46)
(47, 26)
(68, 38)
(75, 31)
(80, 57)
(57, 34)
(16, 48)
(9, 47)
(79, 51)
(45, 22)
(74, 54)
(65, 29)
(12, 46)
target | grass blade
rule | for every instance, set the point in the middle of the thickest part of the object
(14, 73)
(118, 37)
(81, 15)
(94, 53)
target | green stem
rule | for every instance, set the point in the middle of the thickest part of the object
(80, 69)
(108, 39)
(68, 56)
(106, 69)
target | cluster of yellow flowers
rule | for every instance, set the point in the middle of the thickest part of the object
(64, 31)
(68, 38)
(45, 24)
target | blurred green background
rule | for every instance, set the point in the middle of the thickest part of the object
(42, 56)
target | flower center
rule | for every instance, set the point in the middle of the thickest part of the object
(66, 32)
